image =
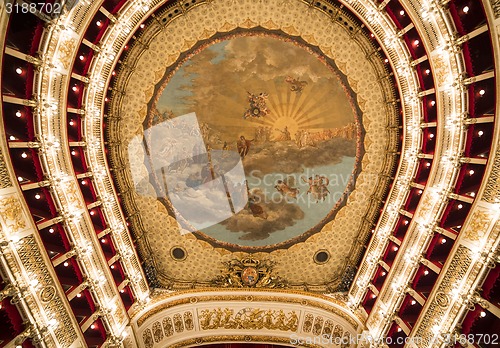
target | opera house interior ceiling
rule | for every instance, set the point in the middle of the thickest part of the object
(249, 173)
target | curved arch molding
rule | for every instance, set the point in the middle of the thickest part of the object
(201, 316)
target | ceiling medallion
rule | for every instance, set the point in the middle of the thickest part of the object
(249, 273)
(269, 107)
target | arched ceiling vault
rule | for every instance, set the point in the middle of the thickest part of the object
(110, 113)
(157, 47)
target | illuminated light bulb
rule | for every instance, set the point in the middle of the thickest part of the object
(459, 226)
(427, 71)
(74, 88)
(406, 222)
(482, 92)
(395, 248)
(106, 99)
(416, 42)
(37, 196)
(112, 266)
(480, 133)
(460, 206)
(19, 178)
(82, 57)
(18, 113)
(66, 264)
(431, 135)
(84, 182)
(92, 326)
(142, 26)
(471, 172)
(384, 273)
(399, 329)
(103, 240)
(19, 71)
(73, 152)
(34, 282)
(98, 23)
(465, 9)
(443, 241)
(78, 295)
(386, 60)
(24, 155)
(122, 291)
(92, 212)
(402, 12)
(483, 314)
(413, 302)
(433, 103)
(113, 73)
(472, 194)
(71, 123)
(426, 272)
(428, 164)
(372, 35)
(12, 137)
(420, 191)
(51, 230)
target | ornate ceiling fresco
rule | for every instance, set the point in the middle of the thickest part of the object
(272, 83)
(177, 173)
(294, 129)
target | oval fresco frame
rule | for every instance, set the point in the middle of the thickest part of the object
(350, 94)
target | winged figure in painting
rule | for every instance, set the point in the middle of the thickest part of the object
(296, 85)
(285, 187)
(258, 106)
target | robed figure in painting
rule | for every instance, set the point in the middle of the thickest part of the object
(243, 146)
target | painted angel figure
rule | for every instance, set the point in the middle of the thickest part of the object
(317, 187)
(296, 85)
(285, 187)
(258, 107)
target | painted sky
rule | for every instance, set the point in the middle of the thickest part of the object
(214, 84)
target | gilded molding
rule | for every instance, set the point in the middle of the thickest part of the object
(194, 342)
(4, 172)
(34, 264)
(218, 296)
(249, 273)
(437, 311)
(248, 319)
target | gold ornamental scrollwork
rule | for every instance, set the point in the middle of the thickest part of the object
(4, 173)
(12, 214)
(495, 4)
(248, 319)
(478, 226)
(263, 294)
(442, 299)
(249, 273)
(237, 338)
(47, 293)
